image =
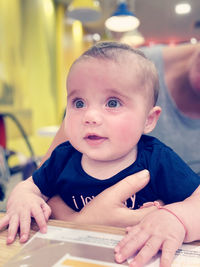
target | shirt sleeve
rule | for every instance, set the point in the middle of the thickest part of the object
(174, 179)
(46, 177)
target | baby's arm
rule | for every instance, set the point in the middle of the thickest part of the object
(162, 230)
(188, 211)
(25, 201)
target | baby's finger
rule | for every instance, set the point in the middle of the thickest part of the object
(13, 228)
(168, 251)
(4, 221)
(131, 247)
(126, 238)
(25, 222)
(38, 215)
(150, 249)
(46, 210)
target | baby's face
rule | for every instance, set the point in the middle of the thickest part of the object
(106, 111)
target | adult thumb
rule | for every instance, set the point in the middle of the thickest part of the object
(131, 185)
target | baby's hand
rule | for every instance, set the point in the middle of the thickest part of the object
(22, 205)
(159, 230)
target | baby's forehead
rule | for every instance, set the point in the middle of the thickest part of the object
(127, 64)
(121, 69)
(122, 60)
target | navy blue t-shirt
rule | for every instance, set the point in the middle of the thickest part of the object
(171, 180)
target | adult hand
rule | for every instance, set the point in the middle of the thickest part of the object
(108, 207)
(159, 230)
(23, 204)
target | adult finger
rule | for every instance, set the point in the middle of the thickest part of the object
(130, 185)
(134, 217)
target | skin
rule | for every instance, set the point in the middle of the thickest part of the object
(181, 64)
(101, 104)
(182, 76)
(20, 211)
(149, 236)
(176, 60)
(106, 107)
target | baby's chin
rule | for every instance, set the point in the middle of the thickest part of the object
(100, 157)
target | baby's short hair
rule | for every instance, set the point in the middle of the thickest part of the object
(115, 50)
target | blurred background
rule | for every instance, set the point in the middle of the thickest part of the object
(40, 39)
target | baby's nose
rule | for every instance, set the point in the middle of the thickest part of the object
(93, 117)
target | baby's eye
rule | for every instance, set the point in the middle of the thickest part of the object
(113, 103)
(79, 103)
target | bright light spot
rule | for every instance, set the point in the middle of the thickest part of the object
(193, 41)
(96, 37)
(122, 23)
(182, 8)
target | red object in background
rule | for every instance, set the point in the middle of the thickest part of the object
(2, 132)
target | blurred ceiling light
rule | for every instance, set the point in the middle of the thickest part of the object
(193, 40)
(94, 38)
(122, 20)
(183, 8)
(133, 38)
(84, 10)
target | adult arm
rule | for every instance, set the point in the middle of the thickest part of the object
(60, 137)
(174, 55)
(164, 229)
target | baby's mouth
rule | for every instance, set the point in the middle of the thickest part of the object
(94, 137)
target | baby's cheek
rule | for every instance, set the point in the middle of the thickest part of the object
(124, 131)
(129, 131)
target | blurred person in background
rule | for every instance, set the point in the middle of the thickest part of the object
(179, 97)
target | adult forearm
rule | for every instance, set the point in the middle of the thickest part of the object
(60, 137)
(179, 53)
(59, 210)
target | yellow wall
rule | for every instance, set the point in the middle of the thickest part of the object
(28, 69)
(36, 52)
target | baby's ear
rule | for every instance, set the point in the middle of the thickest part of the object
(152, 119)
